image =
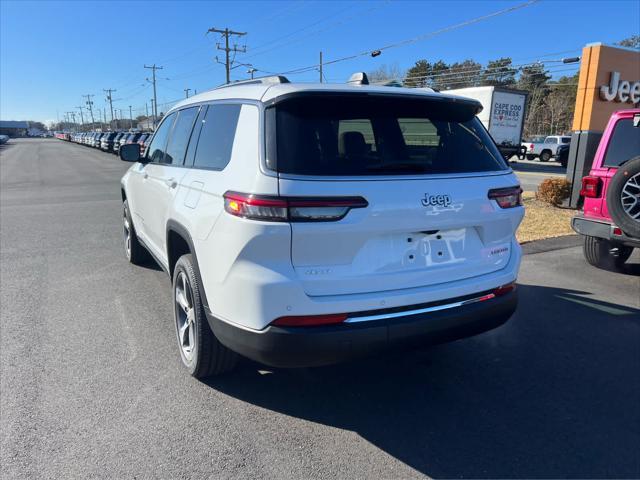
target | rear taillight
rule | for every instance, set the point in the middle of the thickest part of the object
(590, 187)
(507, 197)
(310, 320)
(504, 289)
(290, 209)
(531, 147)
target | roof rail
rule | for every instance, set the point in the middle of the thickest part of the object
(358, 78)
(270, 80)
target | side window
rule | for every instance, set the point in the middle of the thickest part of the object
(156, 149)
(177, 145)
(195, 135)
(216, 136)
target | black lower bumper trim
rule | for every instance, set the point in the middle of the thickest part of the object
(594, 228)
(325, 345)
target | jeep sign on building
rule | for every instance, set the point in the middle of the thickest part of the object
(609, 81)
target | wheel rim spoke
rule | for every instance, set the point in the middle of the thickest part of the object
(126, 233)
(630, 197)
(185, 315)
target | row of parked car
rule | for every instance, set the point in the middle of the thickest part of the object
(110, 141)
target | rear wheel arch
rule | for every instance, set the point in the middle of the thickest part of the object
(179, 243)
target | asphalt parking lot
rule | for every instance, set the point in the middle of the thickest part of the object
(92, 384)
(532, 172)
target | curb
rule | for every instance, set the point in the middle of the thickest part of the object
(550, 244)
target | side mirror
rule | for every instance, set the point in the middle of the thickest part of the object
(130, 152)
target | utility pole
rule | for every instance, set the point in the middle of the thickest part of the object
(71, 117)
(79, 107)
(320, 67)
(153, 68)
(130, 118)
(146, 107)
(226, 33)
(251, 71)
(186, 92)
(110, 98)
(153, 109)
(90, 104)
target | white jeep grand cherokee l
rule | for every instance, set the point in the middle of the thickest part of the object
(305, 224)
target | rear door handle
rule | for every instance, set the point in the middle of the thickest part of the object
(171, 182)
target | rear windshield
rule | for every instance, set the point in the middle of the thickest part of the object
(624, 143)
(345, 135)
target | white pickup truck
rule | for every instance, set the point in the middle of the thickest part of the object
(545, 147)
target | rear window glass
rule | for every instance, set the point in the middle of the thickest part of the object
(356, 135)
(566, 139)
(624, 143)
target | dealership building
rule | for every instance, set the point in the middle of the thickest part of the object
(13, 128)
(609, 81)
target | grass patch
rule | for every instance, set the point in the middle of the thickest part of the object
(542, 220)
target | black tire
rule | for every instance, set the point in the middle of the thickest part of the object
(545, 156)
(530, 156)
(134, 251)
(598, 252)
(624, 178)
(207, 355)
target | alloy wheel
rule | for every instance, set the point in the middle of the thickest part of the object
(185, 316)
(630, 197)
(126, 233)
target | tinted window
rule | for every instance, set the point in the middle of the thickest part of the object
(624, 143)
(566, 139)
(216, 136)
(177, 146)
(551, 140)
(378, 135)
(156, 149)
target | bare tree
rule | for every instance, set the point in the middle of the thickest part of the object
(385, 73)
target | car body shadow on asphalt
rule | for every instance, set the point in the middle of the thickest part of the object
(552, 393)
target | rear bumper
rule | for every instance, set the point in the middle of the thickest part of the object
(601, 229)
(325, 345)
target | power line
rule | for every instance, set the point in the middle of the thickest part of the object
(417, 38)
(226, 33)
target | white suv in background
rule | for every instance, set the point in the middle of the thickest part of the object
(305, 224)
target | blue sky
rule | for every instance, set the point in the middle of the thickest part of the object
(53, 52)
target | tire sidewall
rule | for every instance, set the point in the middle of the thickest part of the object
(614, 192)
(185, 265)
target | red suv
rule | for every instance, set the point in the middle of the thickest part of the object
(611, 220)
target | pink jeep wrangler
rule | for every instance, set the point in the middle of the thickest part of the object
(611, 221)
